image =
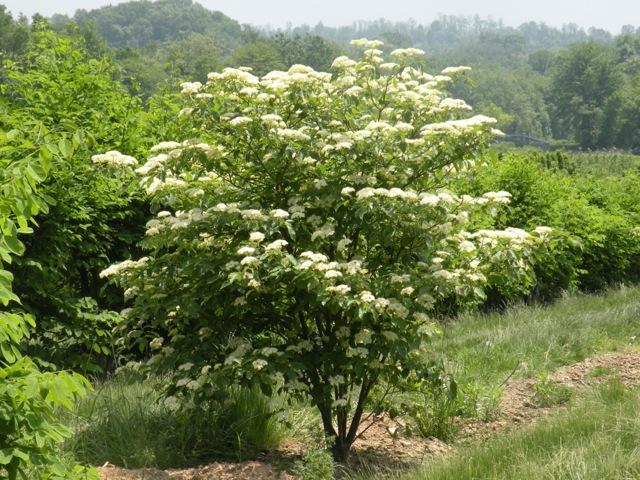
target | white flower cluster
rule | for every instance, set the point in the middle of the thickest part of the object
(407, 52)
(455, 70)
(169, 182)
(297, 76)
(273, 120)
(122, 267)
(343, 63)
(366, 43)
(152, 164)
(165, 146)
(455, 127)
(443, 198)
(293, 134)
(341, 289)
(189, 88)
(240, 75)
(114, 157)
(516, 237)
(240, 120)
(454, 104)
(166, 151)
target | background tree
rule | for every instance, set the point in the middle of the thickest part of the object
(93, 218)
(584, 80)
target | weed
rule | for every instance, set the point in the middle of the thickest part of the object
(548, 393)
(601, 371)
(316, 464)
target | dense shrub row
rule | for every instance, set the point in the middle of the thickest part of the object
(596, 218)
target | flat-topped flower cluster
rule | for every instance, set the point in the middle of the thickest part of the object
(306, 235)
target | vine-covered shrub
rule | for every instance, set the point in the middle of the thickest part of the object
(304, 239)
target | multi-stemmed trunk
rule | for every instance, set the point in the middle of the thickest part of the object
(340, 430)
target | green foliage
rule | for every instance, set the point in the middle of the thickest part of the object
(29, 428)
(267, 210)
(14, 35)
(95, 215)
(548, 393)
(316, 464)
(261, 56)
(583, 82)
(435, 414)
(137, 24)
(595, 219)
(128, 422)
(311, 50)
(439, 411)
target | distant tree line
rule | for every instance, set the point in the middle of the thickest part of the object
(568, 86)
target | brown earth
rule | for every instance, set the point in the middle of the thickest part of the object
(216, 471)
(382, 442)
(518, 407)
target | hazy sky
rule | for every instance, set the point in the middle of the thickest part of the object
(609, 14)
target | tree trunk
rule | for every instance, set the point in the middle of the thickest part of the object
(341, 449)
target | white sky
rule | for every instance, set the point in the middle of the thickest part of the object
(610, 14)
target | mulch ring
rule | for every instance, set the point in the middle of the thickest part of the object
(215, 471)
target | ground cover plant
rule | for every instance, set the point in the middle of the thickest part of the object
(128, 422)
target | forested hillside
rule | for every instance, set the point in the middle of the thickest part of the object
(568, 86)
(138, 24)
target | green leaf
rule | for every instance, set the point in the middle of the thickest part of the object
(65, 147)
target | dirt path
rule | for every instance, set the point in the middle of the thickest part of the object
(517, 403)
(378, 442)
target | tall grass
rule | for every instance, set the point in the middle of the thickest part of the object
(127, 423)
(484, 349)
(599, 438)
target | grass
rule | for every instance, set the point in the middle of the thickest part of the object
(485, 349)
(126, 423)
(599, 437)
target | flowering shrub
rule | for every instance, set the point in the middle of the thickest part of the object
(305, 236)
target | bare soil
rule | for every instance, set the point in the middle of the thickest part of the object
(382, 442)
